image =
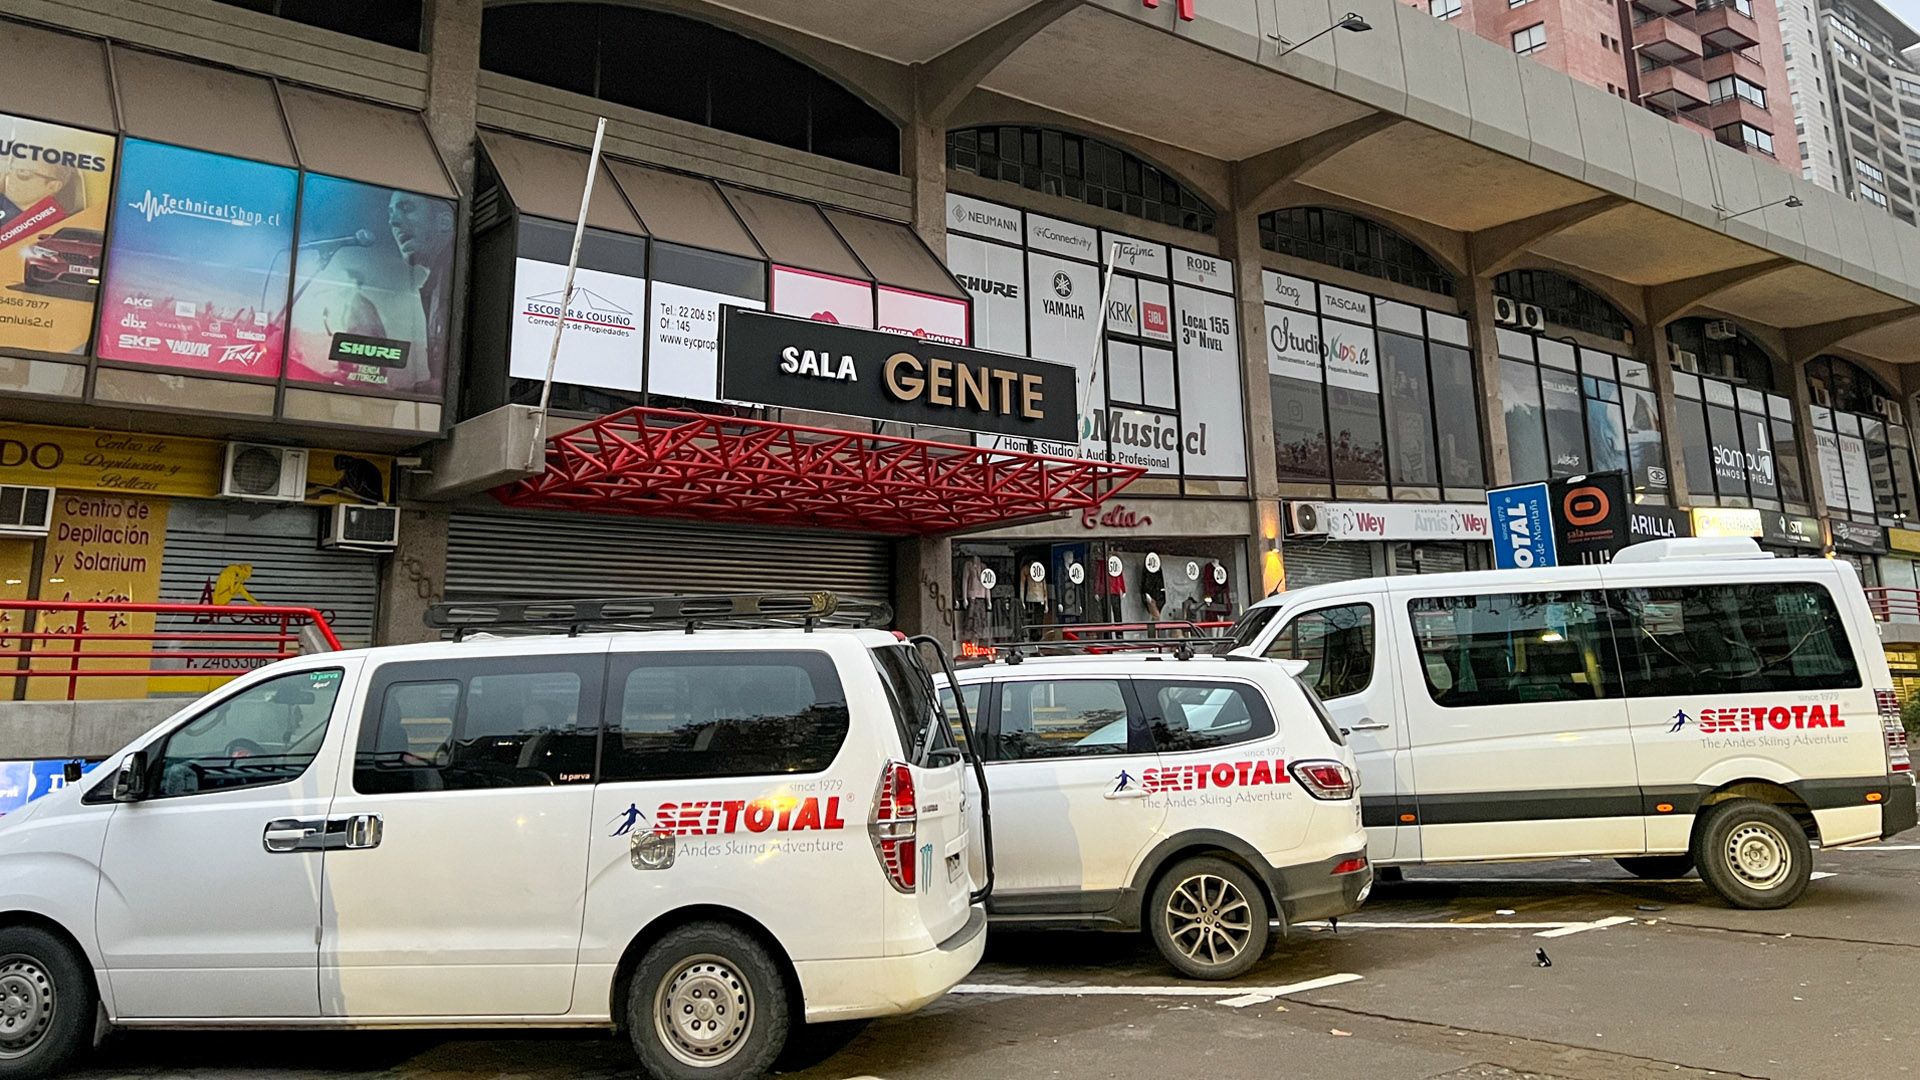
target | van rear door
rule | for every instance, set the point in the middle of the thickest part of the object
(937, 871)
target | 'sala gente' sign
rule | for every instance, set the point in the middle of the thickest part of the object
(794, 363)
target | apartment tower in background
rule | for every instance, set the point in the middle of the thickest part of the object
(1716, 67)
(1856, 97)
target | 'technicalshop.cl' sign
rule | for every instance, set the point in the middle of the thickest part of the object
(801, 364)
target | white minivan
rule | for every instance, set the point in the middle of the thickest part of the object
(708, 840)
(1693, 704)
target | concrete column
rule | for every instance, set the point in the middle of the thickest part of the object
(451, 37)
(1804, 435)
(413, 577)
(923, 153)
(1240, 243)
(922, 587)
(1486, 360)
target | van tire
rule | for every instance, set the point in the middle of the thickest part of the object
(716, 977)
(1656, 867)
(47, 1004)
(1203, 907)
(1754, 854)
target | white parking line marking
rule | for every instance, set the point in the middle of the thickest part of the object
(1880, 847)
(1241, 995)
(1346, 924)
(1818, 874)
(1581, 928)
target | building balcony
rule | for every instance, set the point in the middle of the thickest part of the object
(1664, 7)
(1734, 110)
(1721, 65)
(1667, 41)
(1727, 27)
(1673, 89)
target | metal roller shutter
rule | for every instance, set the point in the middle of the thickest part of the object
(1434, 558)
(1310, 563)
(280, 547)
(527, 556)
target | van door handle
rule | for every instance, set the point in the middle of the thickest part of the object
(1370, 725)
(285, 835)
(362, 831)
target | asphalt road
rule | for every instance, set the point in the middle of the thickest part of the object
(1448, 987)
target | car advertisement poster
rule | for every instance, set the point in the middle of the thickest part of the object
(198, 262)
(822, 297)
(372, 289)
(601, 344)
(54, 193)
(921, 315)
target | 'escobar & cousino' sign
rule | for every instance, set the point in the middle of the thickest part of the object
(794, 363)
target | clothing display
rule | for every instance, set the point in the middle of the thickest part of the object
(1153, 586)
(1033, 590)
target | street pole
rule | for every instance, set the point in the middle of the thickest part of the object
(1100, 325)
(534, 462)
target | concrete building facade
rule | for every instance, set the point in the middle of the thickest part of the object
(1371, 276)
(1861, 121)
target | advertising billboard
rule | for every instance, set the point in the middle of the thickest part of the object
(54, 192)
(373, 288)
(1522, 527)
(600, 343)
(822, 297)
(198, 262)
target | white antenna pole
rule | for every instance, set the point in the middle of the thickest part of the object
(566, 298)
(1100, 324)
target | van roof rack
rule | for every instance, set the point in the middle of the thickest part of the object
(1181, 648)
(713, 611)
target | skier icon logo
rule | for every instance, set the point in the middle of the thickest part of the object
(1680, 720)
(628, 819)
(1124, 781)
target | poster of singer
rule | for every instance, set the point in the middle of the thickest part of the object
(55, 186)
(198, 262)
(372, 287)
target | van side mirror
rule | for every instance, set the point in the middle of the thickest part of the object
(131, 784)
(72, 771)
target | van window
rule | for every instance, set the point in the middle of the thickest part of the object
(1336, 643)
(910, 693)
(1055, 718)
(971, 692)
(1506, 649)
(1733, 638)
(1252, 621)
(1203, 715)
(717, 714)
(265, 734)
(500, 722)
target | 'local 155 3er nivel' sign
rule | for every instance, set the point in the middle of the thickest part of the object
(801, 364)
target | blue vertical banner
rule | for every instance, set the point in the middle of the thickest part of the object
(1522, 527)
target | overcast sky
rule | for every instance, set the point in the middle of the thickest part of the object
(1908, 10)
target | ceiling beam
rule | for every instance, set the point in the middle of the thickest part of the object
(1494, 251)
(1258, 179)
(943, 82)
(1806, 342)
(1673, 299)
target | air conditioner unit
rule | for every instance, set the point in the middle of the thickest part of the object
(1688, 361)
(1888, 408)
(359, 527)
(1821, 397)
(265, 473)
(1721, 330)
(25, 511)
(1506, 311)
(1305, 519)
(1533, 318)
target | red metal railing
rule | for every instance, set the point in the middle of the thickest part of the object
(1894, 604)
(255, 635)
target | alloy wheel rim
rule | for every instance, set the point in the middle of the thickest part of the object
(703, 1011)
(1208, 920)
(27, 1003)
(1759, 856)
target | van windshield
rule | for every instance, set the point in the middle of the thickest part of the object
(1251, 622)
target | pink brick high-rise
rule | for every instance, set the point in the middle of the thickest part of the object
(1716, 68)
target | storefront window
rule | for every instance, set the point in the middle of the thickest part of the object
(1718, 348)
(1010, 591)
(1392, 377)
(1351, 242)
(1565, 302)
(1079, 168)
(1865, 448)
(1738, 444)
(1572, 410)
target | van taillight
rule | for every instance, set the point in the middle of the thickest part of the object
(1324, 779)
(893, 823)
(1898, 760)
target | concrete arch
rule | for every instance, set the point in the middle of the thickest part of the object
(1625, 299)
(1314, 199)
(886, 86)
(1209, 198)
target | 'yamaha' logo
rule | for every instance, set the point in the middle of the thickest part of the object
(1062, 284)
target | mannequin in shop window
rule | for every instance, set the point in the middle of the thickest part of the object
(1219, 603)
(1116, 590)
(1072, 593)
(976, 616)
(1153, 588)
(1033, 592)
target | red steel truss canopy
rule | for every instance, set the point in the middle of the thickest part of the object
(670, 463)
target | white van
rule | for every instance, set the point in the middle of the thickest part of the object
(705, 839)
(1200, 798)
(1693, 704)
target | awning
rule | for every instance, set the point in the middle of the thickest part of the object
(56, 77)
(358, 140)
(204, 108)
(545, 180)
(669, 463)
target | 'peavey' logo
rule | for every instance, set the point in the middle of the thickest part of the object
(1760, 718)
(776, 814)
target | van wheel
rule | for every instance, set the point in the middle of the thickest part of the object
(707, 1003)
(1753, 854)
(1655, 867)
(46, 1004)
(1208, 918)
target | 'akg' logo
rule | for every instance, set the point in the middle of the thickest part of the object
(1062, 284)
